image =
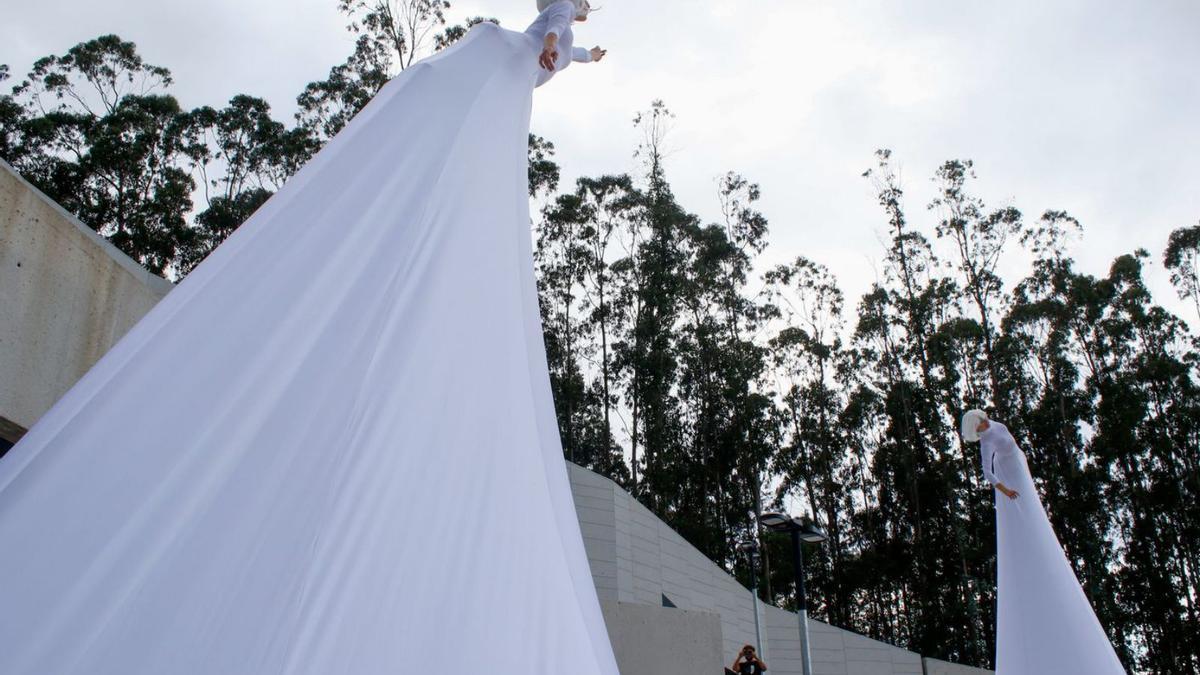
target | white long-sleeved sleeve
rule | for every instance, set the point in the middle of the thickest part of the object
(987, 455)
(581, 55)
(559, 17)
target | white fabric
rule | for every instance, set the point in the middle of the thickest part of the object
(581, 55)
(970, 425)
(1044, 623)
(555, 19)
(332, 448)
(987, 458)
(581, 8)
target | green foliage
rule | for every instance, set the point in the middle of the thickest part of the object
(326, 106)
(91, 129)
(453, 34)
(242, 156)
(543, 171)
(12, 124)
(95, 130)
(389, 36)
(1181, 257)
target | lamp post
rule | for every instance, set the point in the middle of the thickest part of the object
(750, 548)
(802, 530)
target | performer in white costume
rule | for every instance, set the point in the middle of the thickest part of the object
(1044, 623)
(332, 448)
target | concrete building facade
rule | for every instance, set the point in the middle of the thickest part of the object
(638, 561)
(67, 296)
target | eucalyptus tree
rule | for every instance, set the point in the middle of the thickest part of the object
(1145, 396)
(574, 253)
(389, 36)
(813, 462)
(562, 258)
(102, 138)
(12, 125)
(746, 315)
(905, 325)
(98, 132)
(544, 172)
(1051, 408)
(651, 282)
(979, 239)
(1181, 257)
(721, 373)
(242, 155)
(613, 205)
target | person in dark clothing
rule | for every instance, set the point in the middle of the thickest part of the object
(748, 663)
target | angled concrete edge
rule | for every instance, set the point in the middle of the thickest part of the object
(128, 264)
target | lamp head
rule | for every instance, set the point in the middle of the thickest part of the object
(810, 532)
(774, 520)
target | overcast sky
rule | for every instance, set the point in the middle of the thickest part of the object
(1090, 106)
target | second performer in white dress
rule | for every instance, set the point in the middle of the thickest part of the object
(1044, 623)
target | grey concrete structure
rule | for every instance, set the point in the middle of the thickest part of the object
(936, 667)
(658, 640)
(66, 297)
(637, 559)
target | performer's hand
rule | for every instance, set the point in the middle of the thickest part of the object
(1011, 494)
(549, 52)
(598, 54)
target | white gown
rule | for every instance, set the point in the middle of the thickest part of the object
(332, 448)
(1044, 623)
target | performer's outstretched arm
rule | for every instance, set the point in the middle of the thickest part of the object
(581, 55)
(558, 19)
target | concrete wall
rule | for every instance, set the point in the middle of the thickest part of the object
(66, 297)
(935, 667)
(834, 651)
(637, 559)
(662, 640)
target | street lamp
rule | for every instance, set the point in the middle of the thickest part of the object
(802, 530)
(750, 548)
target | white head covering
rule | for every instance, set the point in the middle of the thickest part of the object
(582, 7)
(970, 425)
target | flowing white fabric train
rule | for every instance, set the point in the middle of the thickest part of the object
(332, 448)
(1044, 623)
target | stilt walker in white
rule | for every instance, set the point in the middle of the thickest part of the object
(332, 448)
(1044, 623)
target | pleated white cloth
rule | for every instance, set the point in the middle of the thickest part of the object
(332, 448)
(1044, 622)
